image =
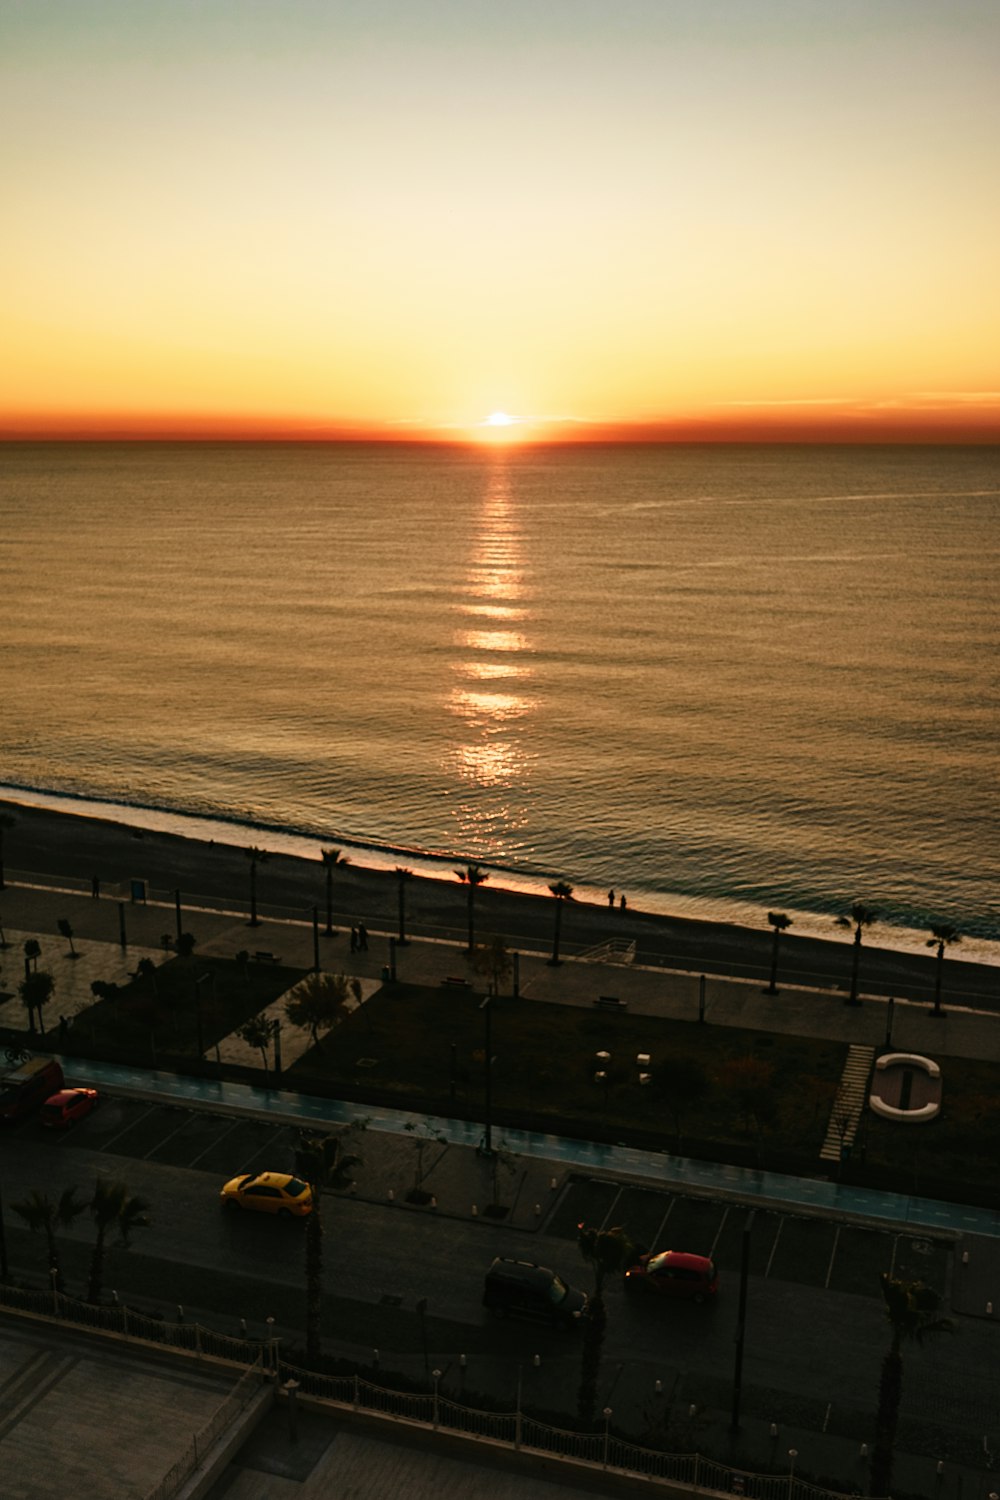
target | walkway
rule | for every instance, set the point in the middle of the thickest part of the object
(558, 1152)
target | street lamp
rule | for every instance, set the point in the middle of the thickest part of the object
(485, 1147)
(607, 1433)
(793, 1454)
(422, 1312)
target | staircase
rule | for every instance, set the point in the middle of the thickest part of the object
(850, 1101)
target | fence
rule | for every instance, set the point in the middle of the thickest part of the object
(522, 1433)
(201, 1443)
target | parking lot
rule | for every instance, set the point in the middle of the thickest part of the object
(811, 1251)
(818, 1252)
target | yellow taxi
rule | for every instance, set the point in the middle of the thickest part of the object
(269, 1193)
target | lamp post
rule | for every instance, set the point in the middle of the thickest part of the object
(422, 1313)
(316, 964)
(607, 1433)
(485, 1147)
(436, 1374)
(793, 1454)
(741, 1323)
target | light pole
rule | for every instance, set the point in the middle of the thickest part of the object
(793, 1454)
(436, 1376)
(607, 1433)
(316, 938)
(741, 1323)
(422, 1313)
(485, 1147)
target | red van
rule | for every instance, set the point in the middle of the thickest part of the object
(27, 1087)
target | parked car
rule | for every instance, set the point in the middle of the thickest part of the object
(64, 1109)
(269, 1193)
(522, 1289)
(674, 1273)
(26, 1085)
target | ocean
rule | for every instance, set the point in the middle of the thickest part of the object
(720, 679)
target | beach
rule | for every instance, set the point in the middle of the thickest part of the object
(55, 848)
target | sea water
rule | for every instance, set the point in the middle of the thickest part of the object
(721, 679)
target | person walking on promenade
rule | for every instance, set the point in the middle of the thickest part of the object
(354, 940)
(95, 886)
(623, 903)
(611, 896)
(363, 937)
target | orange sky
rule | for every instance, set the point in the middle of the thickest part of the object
(659, 220)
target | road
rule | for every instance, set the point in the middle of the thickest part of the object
(816, 1330)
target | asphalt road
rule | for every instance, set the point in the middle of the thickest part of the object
(815, 1334)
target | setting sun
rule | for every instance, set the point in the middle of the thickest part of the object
(499, 419)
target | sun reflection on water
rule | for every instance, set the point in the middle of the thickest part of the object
(489, 758)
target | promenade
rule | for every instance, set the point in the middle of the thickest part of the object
(458, 1176)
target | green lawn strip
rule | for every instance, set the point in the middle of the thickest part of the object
(546, 1057)
(163, 1012)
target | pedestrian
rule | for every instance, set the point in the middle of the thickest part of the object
(611, 896)
(63, 1028)
(623, 903)
(95, 886)
(354, 940)
(363, 936)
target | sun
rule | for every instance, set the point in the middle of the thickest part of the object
(499, 419)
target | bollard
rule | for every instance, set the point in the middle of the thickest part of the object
(965, 1257)
(434, 1202)
(538, 1210)
(375, 1357)
(657, 1387)
(462, 1361)
(243, 1328)
(553, 1184)
(536, 1360)
(475, 1210)
(392, 1196)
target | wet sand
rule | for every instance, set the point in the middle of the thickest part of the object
(55, 845)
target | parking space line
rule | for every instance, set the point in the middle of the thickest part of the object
(607, 1216)
(833, 1257)
(144, 1116)
(777, 1237)
(282, 1130)
(214, 1142)
(722, 1225)
(164, 1139)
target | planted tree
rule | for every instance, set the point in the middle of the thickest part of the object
(860, 917)
(913, 1313)
(146, 971)
(332, 859)
(608, 1252)
(67, 932)
(322, 1162)
(563, 893)
(315, 1002)
(40, 1213)
(944, 936)
(256, 857)
(472, 877)
(105, 989)
(780, 922)
(35, 991)
(32, 952)
(424, 1133)
(185, 945)
(257, 1032)
(402, 878)
(114, 1211)
(492, 959)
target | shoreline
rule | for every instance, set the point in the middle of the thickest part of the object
(205, 830)
(75, 845)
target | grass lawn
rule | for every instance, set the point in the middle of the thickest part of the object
(963, 1143)
(158, 1017)
(429, 1044)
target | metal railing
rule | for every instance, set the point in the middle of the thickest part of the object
(522, 1433)
(203, 1440)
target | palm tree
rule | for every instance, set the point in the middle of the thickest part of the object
(316, 1001)
(562, 893)
(472, 876)
(257, 1032)
(67, 932)
(322, 1162)
(860, 917)
(146, 970)
(911, 1309)
(112, 1208)
(944, 936)
(607, 1251)
(7, 820)
(35, 991)
(331, 860)
(39, 1212)
(402, 876)
(256, 857)
(779, 922)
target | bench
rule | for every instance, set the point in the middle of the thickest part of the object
(610, 1002)
(263, 957)
(456, 979)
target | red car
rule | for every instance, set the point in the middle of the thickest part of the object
(673, 1273)
(69, 1105)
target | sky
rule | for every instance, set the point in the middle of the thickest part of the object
(580, 218)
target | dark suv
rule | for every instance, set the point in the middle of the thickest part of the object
(520, 1289)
